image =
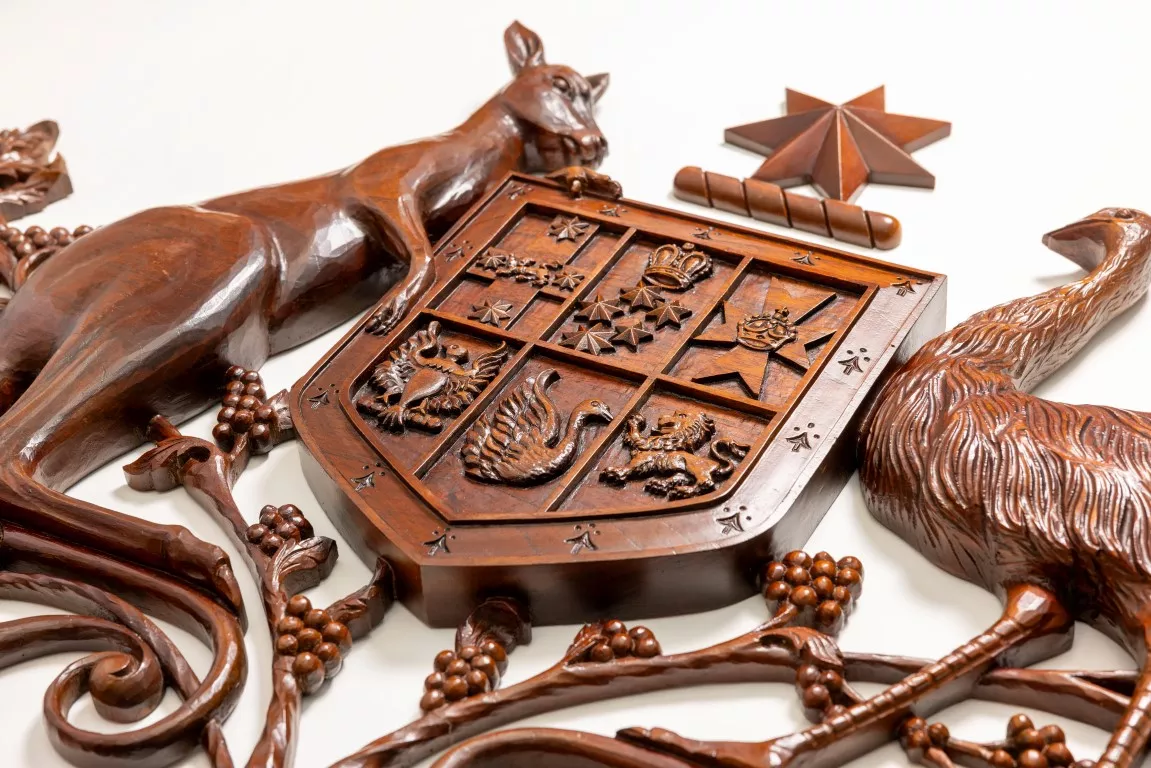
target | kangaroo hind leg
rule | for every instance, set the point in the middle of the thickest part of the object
(53, 435)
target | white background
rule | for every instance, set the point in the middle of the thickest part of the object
(165, 102)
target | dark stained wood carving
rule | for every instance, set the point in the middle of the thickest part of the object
(32, 175)
(139, 324)
(764, 201)
(839, 148)
(1043, 503)
(642, 409)
(667, 458)
(424, 381)
(526, 441)
(71, 371)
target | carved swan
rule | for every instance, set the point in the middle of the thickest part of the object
(522, 443)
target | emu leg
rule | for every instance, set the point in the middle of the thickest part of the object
(1033, 625)
(1129, 740)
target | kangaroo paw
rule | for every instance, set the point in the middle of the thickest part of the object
(385, 318)
(713, 754)
(578, 180)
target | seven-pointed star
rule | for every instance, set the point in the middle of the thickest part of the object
(492, 313)
(668, 313)
(750, 365)
(643, 296)
(599, 310)
(567, 228)
(595, 340)
(839, 148)
(632, 334)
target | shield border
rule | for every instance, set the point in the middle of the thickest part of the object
(773, 505)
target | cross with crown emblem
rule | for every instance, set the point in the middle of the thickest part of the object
(789, 323)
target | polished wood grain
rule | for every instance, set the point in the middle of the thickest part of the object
(1044, 504)
(674, 401)
(114, 334)
(839, 148)
(764, 201)
(32, 174)
(144, 316)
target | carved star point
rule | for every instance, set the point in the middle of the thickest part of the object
(595, 340)
(840, 147)
(567, 228)
(599, 310)
(632, 334)
(749, 366)
(491, 312)
(643, 296)
(669, 313)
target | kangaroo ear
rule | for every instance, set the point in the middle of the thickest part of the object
(599, 84)
(525, 49)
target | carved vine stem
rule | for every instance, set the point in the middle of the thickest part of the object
(283, 553)
(786, 649)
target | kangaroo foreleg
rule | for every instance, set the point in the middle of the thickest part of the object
(404, 226)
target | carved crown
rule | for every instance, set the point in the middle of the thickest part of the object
(677, 267)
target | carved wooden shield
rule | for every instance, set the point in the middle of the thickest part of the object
(604, 407)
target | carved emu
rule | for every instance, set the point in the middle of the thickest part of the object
(1045, 504)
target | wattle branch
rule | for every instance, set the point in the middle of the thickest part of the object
(283, 553)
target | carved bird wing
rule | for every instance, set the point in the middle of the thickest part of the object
(392, 375)
(1072, 482)
(502, 448)
(462, 386)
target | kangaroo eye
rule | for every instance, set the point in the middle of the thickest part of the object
(561, 84)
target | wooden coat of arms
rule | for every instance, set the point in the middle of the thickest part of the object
(601, 406)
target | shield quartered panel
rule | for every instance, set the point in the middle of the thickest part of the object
(603, 406)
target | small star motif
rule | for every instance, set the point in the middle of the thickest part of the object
(705, 233)
(570, 228)
(491, 313)
(517, 191)
(365, 481)
(494, 260)
(599, 310)
(567, 281)
(612, 210)
(668, 313)
(632, 334)
(595, 340)
(643, 296)
(319, 401)
(807, 258)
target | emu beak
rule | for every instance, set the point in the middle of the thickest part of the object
(1081, 242)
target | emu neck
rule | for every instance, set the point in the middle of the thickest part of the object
(1028, 339)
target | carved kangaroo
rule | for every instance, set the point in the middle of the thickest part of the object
(143, 316)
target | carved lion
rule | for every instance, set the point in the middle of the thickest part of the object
(667, 455)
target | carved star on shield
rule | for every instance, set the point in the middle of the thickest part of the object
(789, 322)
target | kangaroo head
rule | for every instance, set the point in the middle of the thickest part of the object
(1089, 241)
(554, 105)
